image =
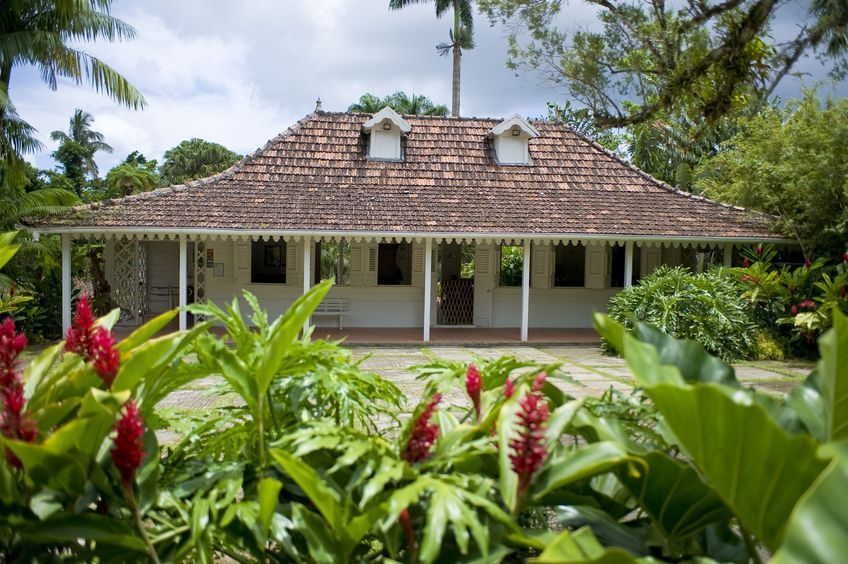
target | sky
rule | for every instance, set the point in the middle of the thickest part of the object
(238, 73)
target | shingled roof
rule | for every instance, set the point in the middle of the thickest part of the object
(315, 177)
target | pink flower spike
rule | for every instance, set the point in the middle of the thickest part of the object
(104, 354)
(528, 448)
(509, 389)
(424, 434)
(745, 263)
(473, 385)
(128, 452)
(807, 262)
(758, 249)
(79, 335)
(539, 382)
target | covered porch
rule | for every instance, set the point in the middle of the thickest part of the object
(392, 289)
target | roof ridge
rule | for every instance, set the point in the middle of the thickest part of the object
(224, 174)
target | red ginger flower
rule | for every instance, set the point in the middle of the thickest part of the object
(807, 262)
(14, 422)
(528, 449)
(845, 256)
(794, 310)
(127, 452)
(509, 389)
(745, 263)
(423, 434)
(94, 343)
(473, 385)
(758, 249)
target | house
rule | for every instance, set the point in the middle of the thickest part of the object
(422, 221)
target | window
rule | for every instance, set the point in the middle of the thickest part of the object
(570, 266)
(512, 265)
(332, 262)
(617, 266)
(268, 262)
(394, 264)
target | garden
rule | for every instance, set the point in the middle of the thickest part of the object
(318, 462)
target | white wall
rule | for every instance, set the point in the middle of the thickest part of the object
(163, 270)
(554, 307)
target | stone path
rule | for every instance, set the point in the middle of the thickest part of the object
(591, 372)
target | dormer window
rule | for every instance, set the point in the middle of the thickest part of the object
(384, 131)
(512, 141)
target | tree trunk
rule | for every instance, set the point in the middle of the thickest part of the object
(457, 61)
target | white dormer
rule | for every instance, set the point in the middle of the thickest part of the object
(512, 137)
(385, 129)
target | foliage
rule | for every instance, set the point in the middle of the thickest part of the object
(136, 174)
(713, 58)
(511, 265)
(193, 159)
(790, 162)
(310, 465)
(400, 102)
(77, 148)
(707, 308)
(794, 304)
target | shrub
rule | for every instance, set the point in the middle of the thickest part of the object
(767, 347)
(706, 308)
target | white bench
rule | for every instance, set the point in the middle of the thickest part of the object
(333, 307)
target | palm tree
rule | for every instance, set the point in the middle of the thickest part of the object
(128, 178)
(195, 158)
(400, 102)
(461, 36)
(41, 33)
(80, 132)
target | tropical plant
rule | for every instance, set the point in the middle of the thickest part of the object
(400, 102)
(132, 177)
(707, 308)
(193, 159)
(10, 302)
(77, 148)
(461, 37)
(46, 34)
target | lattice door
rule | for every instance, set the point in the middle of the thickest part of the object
(457, 302)
(199, 276)
(130, 284)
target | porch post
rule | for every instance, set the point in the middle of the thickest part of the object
(728, 255)
(428, 286)
(183, 282)
(66, 283)
(525, 291)
(307, 270)
(628, 264)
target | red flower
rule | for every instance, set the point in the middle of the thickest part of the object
(127, 452)
(509, 389)
(745, 263)
(102, 351)
(423, 434)
(473, 385)
(758, 249)
(845, 256)
(539, 382)
(94, 343)
(406, 524)
(808, 304)
(14, 422)
(807, 262)
(528, 449)
(794, 310)
(843, 291)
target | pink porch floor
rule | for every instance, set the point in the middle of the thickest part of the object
(378, 336)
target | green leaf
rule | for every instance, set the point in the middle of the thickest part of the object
(507, 428)
(816, 531)
(285, 332)
(323, 548)
(61, 472)
(147, 331)
(833, 370)
(68, 529)
(269, 491)
(581, 546)
(108, 321)
(582, 463)
(7, 247)
(39, 366)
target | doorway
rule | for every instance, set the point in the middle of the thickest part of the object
(455, 294)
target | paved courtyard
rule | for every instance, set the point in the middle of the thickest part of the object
(591, 372)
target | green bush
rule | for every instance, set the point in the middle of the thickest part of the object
(707, 308)
(767, 347)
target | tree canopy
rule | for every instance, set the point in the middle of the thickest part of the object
(77, 148)
(193, 159)
(790, 162)
(400, 102)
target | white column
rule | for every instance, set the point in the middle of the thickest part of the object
(428, 286)
(628, 264)
(307, 270)
(183, 282)
(66, 283)
(728, 255)
(525, 292)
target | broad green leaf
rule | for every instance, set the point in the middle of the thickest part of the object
(818, 525)
(674, 495)
(7, 247)
(269, 491)
(808, 405)
(323, 548)
(581, 463)
(38, 367)
(147, 331)
(507, 428)
(108, 321)
(581, 546)
(607, 529)
(285, 333)
(833, 370)
(61, 472)
(68, 529)
(731, 439)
